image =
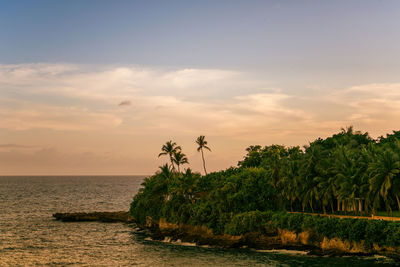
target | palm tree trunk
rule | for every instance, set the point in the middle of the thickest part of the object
(172, 163)
(312, 209)
(204, 163)
(333, 210)
(398, 201)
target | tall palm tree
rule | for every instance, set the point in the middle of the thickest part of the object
(288, 182)
(396, 180)
(348, 168)
(179, 158)
(202, 145)
(312, 167)
(383, 171)
(170, 148)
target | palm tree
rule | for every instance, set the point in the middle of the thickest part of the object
(202, 145)
(383, 172)
(288, 182)
(179, 158)
(396, 180)
(170, 148)
(347, 177)
(165, 172)
(185, 184)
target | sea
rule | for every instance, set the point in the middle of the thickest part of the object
(30, 236)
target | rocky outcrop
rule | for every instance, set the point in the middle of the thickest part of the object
(202, 235)
(311, 242)
(274, 239)
(117, 216)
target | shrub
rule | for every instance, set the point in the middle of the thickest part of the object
(357, 229)
(392, 232)
(374, 232)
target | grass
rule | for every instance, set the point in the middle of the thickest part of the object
(384, 213)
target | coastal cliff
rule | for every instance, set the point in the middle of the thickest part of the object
(310, 242)
(313, 243)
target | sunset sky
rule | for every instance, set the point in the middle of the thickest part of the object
(97, 87)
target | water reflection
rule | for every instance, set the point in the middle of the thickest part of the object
(30, 236)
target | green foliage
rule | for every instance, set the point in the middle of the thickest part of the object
(149, 199)
(392, 233)
(357, 229)
(326, 226)
(346, 173)
(252, 221)
(295, 222)
(375, 232)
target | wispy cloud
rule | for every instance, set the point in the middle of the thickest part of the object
(14, 146)
(73, 97)
(56, 118)
(233, 107)
(125, 103)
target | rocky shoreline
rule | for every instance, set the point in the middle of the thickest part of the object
(312, 243)
(116, 216)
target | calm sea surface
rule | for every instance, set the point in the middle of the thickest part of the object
(29, 236)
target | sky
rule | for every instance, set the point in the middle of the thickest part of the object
(97, 87)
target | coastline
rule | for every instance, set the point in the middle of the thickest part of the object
(308, 243)
(279, 239)
(107, 216)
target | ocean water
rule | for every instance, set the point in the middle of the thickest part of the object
(29, 236)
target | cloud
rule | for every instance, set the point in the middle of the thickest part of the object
(371, 106)
(223, 102)
(125, 103)
(14, 146)
(235, 108)
(74, 97)
(56, 118)
(51, 160)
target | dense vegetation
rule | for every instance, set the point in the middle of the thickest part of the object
(347, 173)
(371, 231)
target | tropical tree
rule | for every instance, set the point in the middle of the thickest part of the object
(179, 158)
(396, 179)
(202, 145)
(310, 171)
(344, 171)
(382, 172)
(170, 148)
(253, 157)
(165, 172)
(185, 184)
(288, 182)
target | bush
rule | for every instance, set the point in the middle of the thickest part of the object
(375, 232)
(392, 232)
(253, 221)
(295, 222)
(357, 230)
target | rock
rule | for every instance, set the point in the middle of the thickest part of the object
(117, 216)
